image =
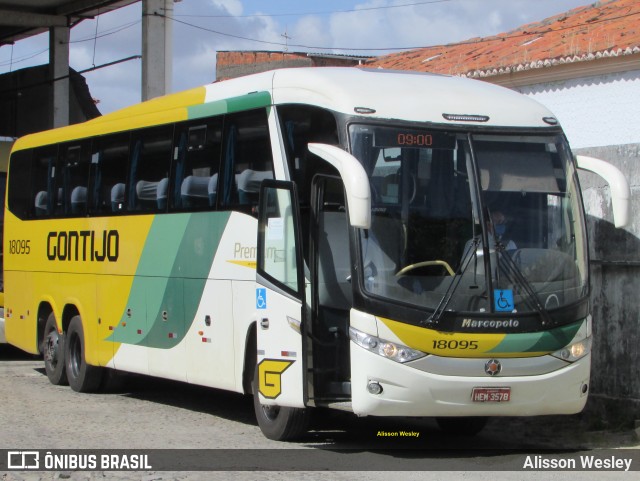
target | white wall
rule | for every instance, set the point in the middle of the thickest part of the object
(601, 117)
(594, 111)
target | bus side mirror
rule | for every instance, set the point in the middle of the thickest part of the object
(620, 191)
(355, 179)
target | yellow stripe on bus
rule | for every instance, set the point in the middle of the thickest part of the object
(455, 344)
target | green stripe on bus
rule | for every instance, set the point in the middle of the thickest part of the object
(546, 341)
(185, 254)
(235, 104)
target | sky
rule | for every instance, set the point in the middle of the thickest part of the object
(202, 27)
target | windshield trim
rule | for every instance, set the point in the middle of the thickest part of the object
(438, 311)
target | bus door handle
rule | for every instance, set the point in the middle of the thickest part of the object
(264, 323)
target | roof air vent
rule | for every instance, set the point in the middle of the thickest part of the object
(466, 118)
(364, 110)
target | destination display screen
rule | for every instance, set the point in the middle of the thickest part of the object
(409, 138)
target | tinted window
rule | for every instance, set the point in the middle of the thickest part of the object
(109, 160)
(150, 162)
(197, 164)
(247, 159)
(47, 195)
(73, 177)
(21, 199)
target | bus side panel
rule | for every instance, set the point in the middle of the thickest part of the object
(166, 314)
(111, 292)
(209, 347)
(244, 313)
(21, 314)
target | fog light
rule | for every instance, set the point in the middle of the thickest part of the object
(374, 387)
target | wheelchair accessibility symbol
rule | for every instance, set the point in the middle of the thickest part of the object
(503, 300)
(261, 298)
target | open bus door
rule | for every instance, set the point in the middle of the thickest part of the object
(279, 396)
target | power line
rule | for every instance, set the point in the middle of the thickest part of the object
(108, 32)
(23, 58)
(527, 33)
(316, 13)
(68, 76)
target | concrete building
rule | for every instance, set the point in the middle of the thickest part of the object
(585, 66)
(25, 101)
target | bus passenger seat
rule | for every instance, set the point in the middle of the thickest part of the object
(249, 184)
(212, 189)
(117, 197)
(194, 191)
(41, 203)
(78, 200)
(146, 194)
(161, 193)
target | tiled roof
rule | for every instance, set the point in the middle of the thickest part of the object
(603, 29)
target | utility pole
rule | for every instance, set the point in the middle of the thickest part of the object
(157, 51)
(59, 69)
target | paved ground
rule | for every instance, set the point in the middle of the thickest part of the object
(144, 413)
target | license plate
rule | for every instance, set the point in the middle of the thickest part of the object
(491, 394)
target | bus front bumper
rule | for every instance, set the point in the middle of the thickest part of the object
(407, 391)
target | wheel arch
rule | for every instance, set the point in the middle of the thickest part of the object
(250, 358)
(44, 310)
(69, 311)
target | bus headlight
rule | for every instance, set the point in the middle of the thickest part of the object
(391, 350)
(575, 351)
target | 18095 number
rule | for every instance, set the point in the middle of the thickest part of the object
(20, 246)
(454, 344)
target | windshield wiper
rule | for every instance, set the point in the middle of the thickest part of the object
(515, 275)
(470, 254)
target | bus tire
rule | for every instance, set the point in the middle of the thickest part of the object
(276, 422)
(53, 353)
(463, 426)
(82, 377)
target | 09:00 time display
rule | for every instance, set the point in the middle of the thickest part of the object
(422, 140)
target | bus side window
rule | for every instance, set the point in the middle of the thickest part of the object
(45, 191)
(20, 196)
(109, 162)
(247, 159)
(149, 169)
(75, 177)
(198, 146)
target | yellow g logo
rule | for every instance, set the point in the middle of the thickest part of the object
(270, 377)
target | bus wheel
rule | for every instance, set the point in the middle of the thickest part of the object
(464, 426)
(82, 377)
(279, 423)
(53, 353)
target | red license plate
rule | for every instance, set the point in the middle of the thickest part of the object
(491, 394)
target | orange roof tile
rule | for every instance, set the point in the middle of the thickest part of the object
(604, 29)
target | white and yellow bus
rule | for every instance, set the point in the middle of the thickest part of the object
(323, 237)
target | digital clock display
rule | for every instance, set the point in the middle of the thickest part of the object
(419, 139)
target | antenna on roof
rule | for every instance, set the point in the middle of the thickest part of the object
(286, 40)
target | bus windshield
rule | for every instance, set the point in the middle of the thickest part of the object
(471, 223)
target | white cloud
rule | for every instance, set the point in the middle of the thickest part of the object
(194, 48)
(233, 7)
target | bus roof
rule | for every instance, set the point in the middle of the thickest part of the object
(413, 96)
(382, 94)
